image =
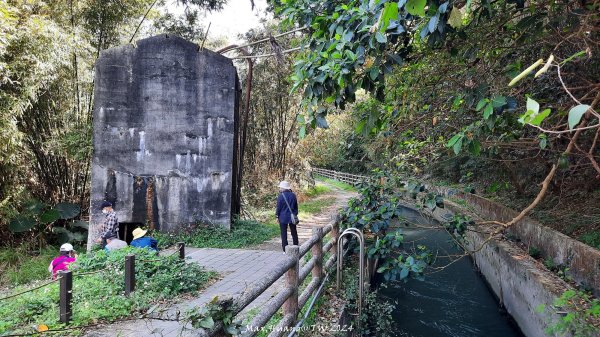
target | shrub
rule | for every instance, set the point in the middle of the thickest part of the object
(24, 264)
(100, 296)
(376, 316)
(579, 314)
(535, 252)
(243, 233)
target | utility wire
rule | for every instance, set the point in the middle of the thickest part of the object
(266, 55)
(29, 290)
(268, 38)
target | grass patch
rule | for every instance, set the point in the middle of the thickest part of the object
(22, 265)
(317, 190)
(100, 296)
(591, 239)
(314, 206)
(338, 184)
(243, 233)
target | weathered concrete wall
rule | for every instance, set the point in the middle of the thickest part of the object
(164, 115)
(583, 261)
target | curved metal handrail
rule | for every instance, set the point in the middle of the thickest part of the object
(357, 233)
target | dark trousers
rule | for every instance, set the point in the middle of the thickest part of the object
(284, 241)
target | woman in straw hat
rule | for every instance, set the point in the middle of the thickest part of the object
(141, 241)
(287, 213)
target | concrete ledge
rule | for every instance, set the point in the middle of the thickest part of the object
(582, 260)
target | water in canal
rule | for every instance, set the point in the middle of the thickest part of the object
(453, 302)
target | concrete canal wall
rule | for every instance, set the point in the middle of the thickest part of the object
(520, 282)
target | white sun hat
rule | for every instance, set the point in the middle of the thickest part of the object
(285, 185)
(66, 247)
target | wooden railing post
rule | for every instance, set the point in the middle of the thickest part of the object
(66, 294)
(290, 307)
(129, 274)
(317, 253)
(335, 234)
(181, 247)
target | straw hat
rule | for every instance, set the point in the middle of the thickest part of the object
(138, 233)
(285, 185)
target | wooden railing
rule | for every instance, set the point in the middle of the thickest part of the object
(289, 299)
(341, 176)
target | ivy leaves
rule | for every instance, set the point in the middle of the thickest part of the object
(456, 142)
(576, 113)
(379, 204)
(533, 115)
(353, 46)
(416, 7)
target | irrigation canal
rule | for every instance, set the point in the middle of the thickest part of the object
(451, 302)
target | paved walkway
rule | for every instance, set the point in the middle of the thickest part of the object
(238, 268)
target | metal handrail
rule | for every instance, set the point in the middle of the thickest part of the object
(356, 232)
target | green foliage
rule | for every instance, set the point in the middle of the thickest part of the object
(535, 252)
(560, 270)
(339, 147)
(353, 45)
(579, 314)
(243, 233)
(41, 218)
(401, 267)
(378, 206)
(592, 239)
(99, 296)
(458, 224)
(24, 264)
(376, 318)
(217, 310)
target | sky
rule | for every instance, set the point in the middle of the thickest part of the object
(237, 17)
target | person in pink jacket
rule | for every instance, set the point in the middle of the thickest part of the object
(62, 262)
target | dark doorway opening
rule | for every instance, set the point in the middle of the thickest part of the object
(126, 230)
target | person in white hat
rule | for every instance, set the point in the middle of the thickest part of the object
(62, 262)
(142, 241)
(287, 213)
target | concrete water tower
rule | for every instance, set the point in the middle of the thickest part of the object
(165, 125)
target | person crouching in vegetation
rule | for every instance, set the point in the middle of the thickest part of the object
(142, 241)
(62, 262)
(287, 213)
(114, 244)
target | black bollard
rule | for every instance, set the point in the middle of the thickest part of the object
(129, 274)
(66, 294)
(181, 247)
